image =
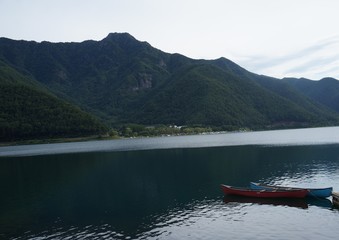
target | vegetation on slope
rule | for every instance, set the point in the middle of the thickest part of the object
(325, 91)
(28, 112)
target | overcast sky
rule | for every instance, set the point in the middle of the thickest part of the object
(279, 38)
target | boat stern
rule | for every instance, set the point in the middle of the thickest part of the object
(335, 199)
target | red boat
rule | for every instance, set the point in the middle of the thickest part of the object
(265, 193)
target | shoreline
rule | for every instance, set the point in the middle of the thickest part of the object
(55, 140)
(106, 137)
(287, 137)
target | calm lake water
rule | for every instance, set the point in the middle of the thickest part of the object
(168, 188)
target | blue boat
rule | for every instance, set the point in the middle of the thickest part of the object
(313, 192)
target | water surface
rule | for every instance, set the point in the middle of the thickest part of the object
(170, 193)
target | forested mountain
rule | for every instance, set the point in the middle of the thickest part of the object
(122, 80)
(325, 91)
(28, 111)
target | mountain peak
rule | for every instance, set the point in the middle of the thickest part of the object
(329, 79)
(120, 36)
(124, 40)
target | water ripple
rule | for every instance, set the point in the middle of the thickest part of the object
(210, 219)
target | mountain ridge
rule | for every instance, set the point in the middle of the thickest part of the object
(122, 80)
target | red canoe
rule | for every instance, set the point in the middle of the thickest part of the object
(266, 193)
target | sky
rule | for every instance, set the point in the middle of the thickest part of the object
(278, 38)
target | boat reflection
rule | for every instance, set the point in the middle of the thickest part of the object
(289, 202)
(319, 202)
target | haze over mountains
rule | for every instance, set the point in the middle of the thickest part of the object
(67, 89)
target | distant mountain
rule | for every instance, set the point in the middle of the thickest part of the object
(325, 91)
(122, 80)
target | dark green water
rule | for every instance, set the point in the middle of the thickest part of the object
(167, 194)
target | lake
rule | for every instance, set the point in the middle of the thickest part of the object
(169, 187)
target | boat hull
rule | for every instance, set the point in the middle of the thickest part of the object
(313, 192)
(263, 193)
(335, 199)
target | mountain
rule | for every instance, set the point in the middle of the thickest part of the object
(324, 91)
(122, 80)
(29, 111)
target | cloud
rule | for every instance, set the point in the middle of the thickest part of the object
(315, 62)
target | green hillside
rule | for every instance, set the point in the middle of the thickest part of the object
(325, 91)
(205, 94)
(28, 111)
